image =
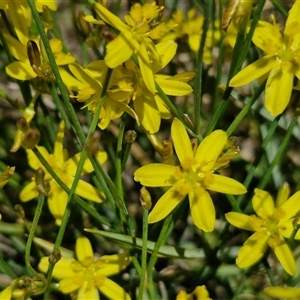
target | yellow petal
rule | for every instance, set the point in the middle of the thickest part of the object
(51, 4)
(292, 25)
(226, 185)
(113, 291)
(173, 87)
(147, 111)
(164, 111)
(253, 71)
(69, 285)
(110, 18)
(156, 175)
(120, 49)
(167, 51)
(252, 250)
(4, 176)
(291, 207)
(83, 248)
(166, 203)
(239, 220)
(57, 202)
(202, 209)
(16, 48)
(113, 264)
(182, 144)
(88, 293)
(210, 148)
(283, 292)
(146, 68)
(29, 192)
(20, 70)
(286, 258)
(6, 293)
(263, 204)
(89, 192)
(279, 88)
(59, 144)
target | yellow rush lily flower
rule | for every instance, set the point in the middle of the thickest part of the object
(136, 36)
(270, 226)
(88, 275)
(65, 168)
(199, 293)
(193, 177)
(280, 64)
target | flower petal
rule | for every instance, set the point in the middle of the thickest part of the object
(202, 209)
(89, 192)
(156, 175)
(110, 18)
(263, 204)
(16, 48)
(29, 192)
(286, 258)
(252, 250)
(173, 87)
(68, 285)
(120, 49)
(166, 203)
(166, 51)
(20, 70)
(292, 25)
(59, 145)
(57, 202)
(210, 148)
(83, 248)
(223, 184)
(112, 290)
(291, 207)
(239, 220)
(70, 81)
(279, 88)
(85, 294)
(253, 71)
(182, 144)
(283, 292)
(113, 264)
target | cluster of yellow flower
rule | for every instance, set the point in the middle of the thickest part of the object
(127, 80)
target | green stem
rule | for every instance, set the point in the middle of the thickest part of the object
(199, 65)
(143, 274)
(38, 211)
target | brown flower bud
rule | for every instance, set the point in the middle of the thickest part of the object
(31, 138)
(33, 54)
(130, 136)
(84, 26)
(54, 257)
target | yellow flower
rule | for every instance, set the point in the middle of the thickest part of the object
(65, 168)
(270, 226)
(285, 292)
(148, 107)
(280, 64)
(4, 176)
(136, 36)
(190, 28)
(193, 177)
(22, 70)
(87, 274)
(200, 293)
(92, 79)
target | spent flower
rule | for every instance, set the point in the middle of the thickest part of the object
(87, 274)
(194, 176)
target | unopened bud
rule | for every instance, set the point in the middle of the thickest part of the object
(22, 124)
(145, 198)
(167, 153)
(130, 136)
(33, 54)
(54, 257)
(43, 186)
(19, 209)
(47, 18)
(231, 142)
(283, 194)
(31, 138)
(108, 35)
(84, 26)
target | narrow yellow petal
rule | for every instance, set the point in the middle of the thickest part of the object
(210, 148)
(202, 209)
(291, 207)
(239, 220)
(253, 71)
(83, 248)
(283, 292)
(173, 87)
(29, 192)
(166, 51)
(89, 192)
(57, 202)
(156, 175)
(16, 48)
(69, 284)
(71, 82)
(59, 145)
(113, 290)
(182, 144)
(88, 293)
(286, 258)
(166, 203)
(292, 23)
(279, 88)
(61, 270)
(113, 264)
(252, 250)
(263, 204)
(20, 70)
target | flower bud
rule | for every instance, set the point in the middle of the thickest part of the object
(31, 138)
(84, 26)
(19, 209)
(43, 186)
(47, 18)
(167, 153)
(4, 177)
(22, 124)
(145, 198)
(33, 54)
(54, 257)
(130, 136)
(283, 194)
